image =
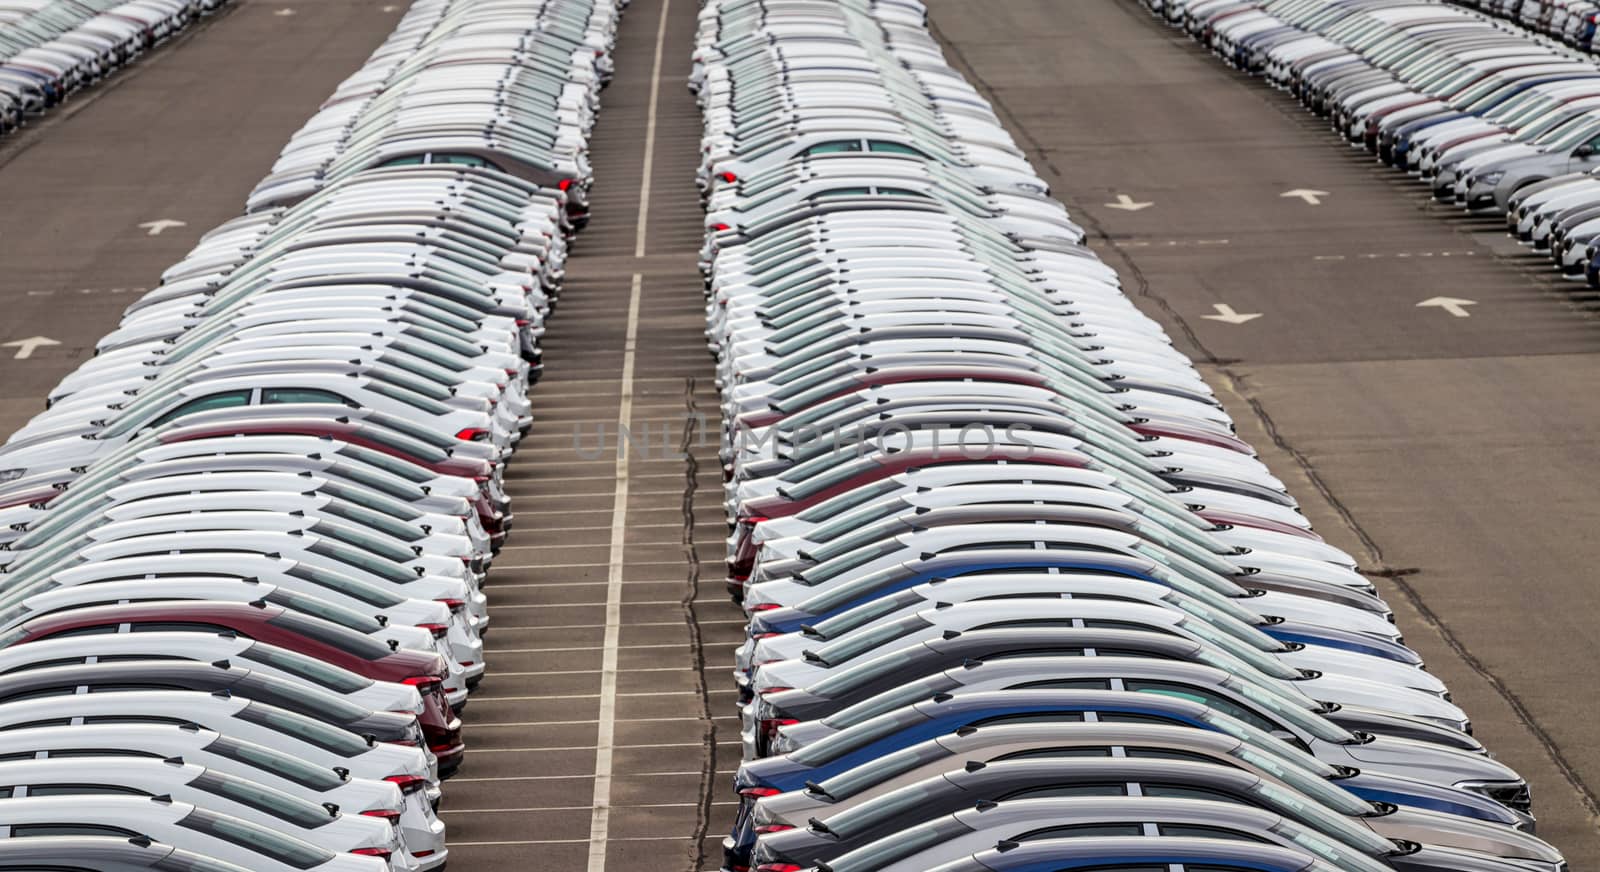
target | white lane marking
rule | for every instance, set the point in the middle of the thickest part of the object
(1313, 198)
(284, 13)
(26, 347)
(1402, 254)
(1170, 243)
(1226, 315)
(549, 808)
(644, 181)
(582, 605)
(1454, 305)
(600, 820)
(154, 228)
(1128, 204)
(580, 648)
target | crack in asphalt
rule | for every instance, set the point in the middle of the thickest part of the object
(1238, 385)
(694, 426)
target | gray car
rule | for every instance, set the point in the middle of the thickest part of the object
(1026, 820)
(1375, 835)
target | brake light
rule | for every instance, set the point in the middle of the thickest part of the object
(380, 853)
(721, 226)
(766, 635)
(772, 828)
(769, 726)
(754, 520)
(775, 689)
(729, 177)
(390, 815)
(758, 792)
(408, 783)
(441, 748)
(439, 631)
(455, 605)
(473, 434)
(425, 684)
(564, 184)
(764, 607)
(779, 867)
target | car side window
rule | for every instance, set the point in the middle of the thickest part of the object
(1193, 694)
(270, 396)
(1168, 754)
(1069, 684)
(1110, 788)
(1083, 830)
(1197, 831)
(840, 146)
(22, 831)
(1052, 753)
(1184, 791)
(97, 630)
(1033, 718)
(224, 400)
(83, 789)
(883, 147)
(177, 627)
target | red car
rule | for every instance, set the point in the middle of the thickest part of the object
(275, 625)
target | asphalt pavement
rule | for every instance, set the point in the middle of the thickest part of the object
(1449, 453)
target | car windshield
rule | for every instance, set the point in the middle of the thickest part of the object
(365, 647)
(283, 806)
(889, 700)
(844, 681)
(832, 507)
(277, 763)
(315, 732)
(845, 622)
(369, 594)
(866, 639)
(373, 499)
(838, 566)
(1261, 660)
(852, 781)
(1299, 807)
(393, 465)
(839, 744)
(311, 669)
(853, 822)
(279, 847)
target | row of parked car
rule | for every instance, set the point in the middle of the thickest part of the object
(52, 48)
(1019, 596)
(1568, 21)
(243, 551)
(1486, 115)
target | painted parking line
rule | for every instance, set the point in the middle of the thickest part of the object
(600, 818)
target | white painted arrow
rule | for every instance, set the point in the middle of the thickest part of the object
(1127, 203)
(26, 347)
(1454, 305)
(284, 13)
(1306, 194)
(154, 228)
(1226, 314)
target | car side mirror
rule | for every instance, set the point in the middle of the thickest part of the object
(1584, 150)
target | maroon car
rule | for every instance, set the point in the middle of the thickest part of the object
(275, 625)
